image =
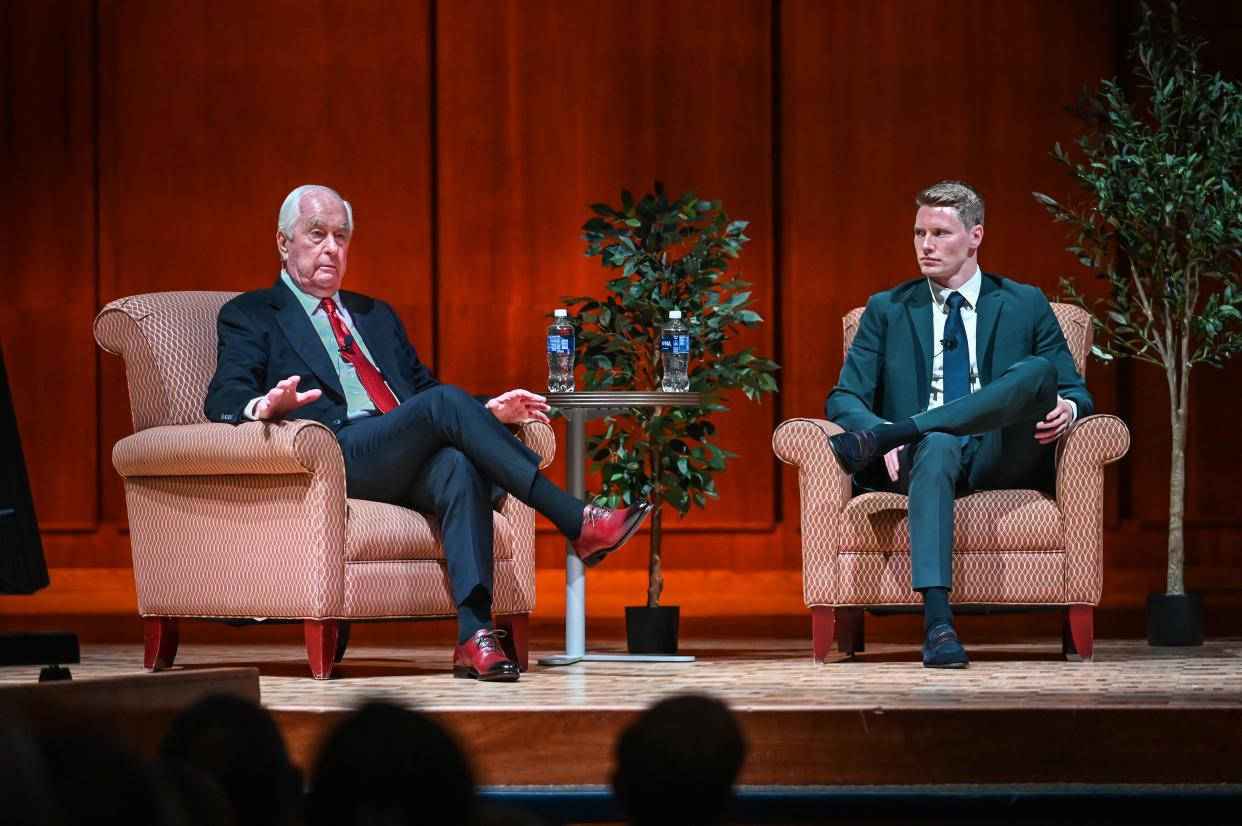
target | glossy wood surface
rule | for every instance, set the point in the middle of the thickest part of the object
(147, 146)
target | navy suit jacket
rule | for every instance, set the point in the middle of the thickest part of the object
(887, 371)
(265, 336)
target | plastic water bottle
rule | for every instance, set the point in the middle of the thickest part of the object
(675, 353)
(561, 353)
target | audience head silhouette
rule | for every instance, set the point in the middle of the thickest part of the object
(237, 744)
(386, 765)
(98, 778)
(676, 763)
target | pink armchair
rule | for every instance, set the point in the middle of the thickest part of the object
(1010, 547)
(253, 521)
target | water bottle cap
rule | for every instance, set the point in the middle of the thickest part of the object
(560, 313)
(674, 313)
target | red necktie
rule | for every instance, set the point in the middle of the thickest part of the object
(371, 379)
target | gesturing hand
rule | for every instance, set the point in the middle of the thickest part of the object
(284, 398)
(518, 406)
(1054, 424)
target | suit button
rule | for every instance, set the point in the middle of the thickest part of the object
(336, 422)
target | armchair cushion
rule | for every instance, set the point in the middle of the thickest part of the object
(377, 532)
(994, 520)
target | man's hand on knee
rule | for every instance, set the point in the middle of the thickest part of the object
(893, 463)
(1054, 424)
(284, 398)
(519, 406)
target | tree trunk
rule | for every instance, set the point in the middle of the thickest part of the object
(1179, 408)
(655, 579)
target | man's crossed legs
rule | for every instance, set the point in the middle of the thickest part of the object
(441, 452)
(936, 467)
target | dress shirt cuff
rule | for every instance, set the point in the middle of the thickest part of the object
(248, 410)
(1073, 410)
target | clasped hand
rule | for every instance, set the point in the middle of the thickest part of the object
(1054, 424)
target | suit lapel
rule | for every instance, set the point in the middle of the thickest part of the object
(991, 299)
(302, 337)
(918, 313)
(378, 337)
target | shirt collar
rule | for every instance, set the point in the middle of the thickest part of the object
(309, 302)
(969, 290)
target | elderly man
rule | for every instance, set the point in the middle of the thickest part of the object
(960, 381)
(306, 348)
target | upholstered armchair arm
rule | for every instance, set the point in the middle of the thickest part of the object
(823, 490)
(539, 438)
(804, 443)
(287, 446)
(1088, 445)
(236, 521)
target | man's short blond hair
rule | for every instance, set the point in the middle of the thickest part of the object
(957, 194)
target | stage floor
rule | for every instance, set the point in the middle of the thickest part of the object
(1019, 714)
(745, 673)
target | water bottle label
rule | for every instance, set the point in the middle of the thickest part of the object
(560, 344)
(677, 344)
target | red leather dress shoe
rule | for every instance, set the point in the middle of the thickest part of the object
(604, 530)
(482, 658)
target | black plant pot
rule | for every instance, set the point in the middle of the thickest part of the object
(1175, 619)
(652, 630)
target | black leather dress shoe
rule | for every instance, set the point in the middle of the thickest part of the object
(942, 648)
(853, 449)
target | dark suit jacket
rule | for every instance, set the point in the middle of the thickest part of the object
(265, 336)
(887, 371)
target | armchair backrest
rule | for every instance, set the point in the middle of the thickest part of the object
(1074, 320)
(168, 341)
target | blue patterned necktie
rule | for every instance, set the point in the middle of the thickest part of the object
(956, 359)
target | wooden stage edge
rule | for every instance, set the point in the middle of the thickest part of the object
(1020, 715)
(863, 747)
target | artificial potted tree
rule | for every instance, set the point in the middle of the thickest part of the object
(665, 254)
(1161, 224)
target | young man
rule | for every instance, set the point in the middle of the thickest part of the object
(957, 381)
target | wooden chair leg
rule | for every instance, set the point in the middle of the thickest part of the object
(823, 631)
(321, 639)
(1078, 635)
(160, 638)
(850, 630)
(516, 641)
(342, 640)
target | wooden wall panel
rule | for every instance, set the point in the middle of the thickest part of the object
(545, 107)
(149, 145)
(212, 112)
(47, 153)
(879, 100)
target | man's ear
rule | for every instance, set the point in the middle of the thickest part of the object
(976, 236)
(282, 245)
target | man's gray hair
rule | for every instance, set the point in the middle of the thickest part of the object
(291, 209)
(957, 194)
